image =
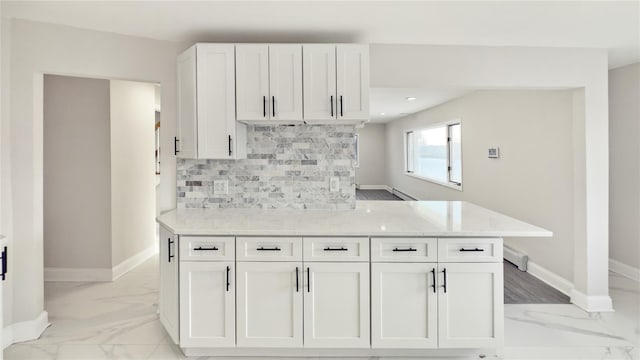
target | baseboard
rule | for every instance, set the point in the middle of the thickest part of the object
(137, 259)
(591, 303)
(25, 330)
(624, 270)
(550, 278)
(374, 187)
(99, 274)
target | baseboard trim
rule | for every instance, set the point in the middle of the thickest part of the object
(25, 330)
(592, 303)
(130, 263)
(624, 269)
(550, 278)
(375, 187)
(99, 274)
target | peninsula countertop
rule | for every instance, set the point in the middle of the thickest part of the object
(369, 218)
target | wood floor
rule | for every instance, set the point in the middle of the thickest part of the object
(519, 287)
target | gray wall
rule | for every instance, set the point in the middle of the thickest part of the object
(624, 157)
(77, 182)
(533, 179)
(372, 155)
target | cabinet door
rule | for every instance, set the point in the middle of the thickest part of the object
(269, 304)
(353, 81)
(319, 74)
(470, 305)
(169, 283)
(216, 101)
(285, 82)
(187, 122)
(336, 305)
(207, 304)
(404, 308)
(252, 82)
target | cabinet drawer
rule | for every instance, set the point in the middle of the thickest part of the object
(336, 249)
(195, 248)
(404, 249)
(469, 250)
(269, 248)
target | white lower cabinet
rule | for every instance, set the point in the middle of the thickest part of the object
(169, 309)
(336, 305)
(269, 297)
(404, 306)
(207, 304)
(470, 305)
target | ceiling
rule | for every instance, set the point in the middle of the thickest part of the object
(613, 25)
(388, 104)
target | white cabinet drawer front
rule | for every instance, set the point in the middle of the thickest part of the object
(195, 248)
(404, 249)
(336, 249)
(269, 248)
(470, 250)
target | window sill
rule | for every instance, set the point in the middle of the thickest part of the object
(449, 185)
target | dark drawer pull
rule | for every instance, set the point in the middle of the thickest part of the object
(262, 248)
(409, 249)
(200, 248)
(476, 249)
(342, 248)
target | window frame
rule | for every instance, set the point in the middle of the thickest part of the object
(408, 154)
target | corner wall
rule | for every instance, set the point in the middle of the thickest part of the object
(372, 169)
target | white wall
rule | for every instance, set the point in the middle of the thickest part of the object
(132, 169)
(77, 182)
(531, 181)
(38, 48)
(372, 155)
(624, 127)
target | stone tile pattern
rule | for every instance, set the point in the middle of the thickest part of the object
(286, 167)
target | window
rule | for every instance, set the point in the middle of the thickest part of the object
(435, 154)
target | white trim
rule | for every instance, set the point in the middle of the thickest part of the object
(600, 303)
(625, 270)
(375, 187)
(130, 263)
(25, 330)
(99, 274)
(550, 278)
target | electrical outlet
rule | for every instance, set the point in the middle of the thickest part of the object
(493, 152)
(220, 187)
(334, 184)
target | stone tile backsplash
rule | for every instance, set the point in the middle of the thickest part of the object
(286, 167)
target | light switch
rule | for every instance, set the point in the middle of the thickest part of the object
(493, 153)
(334, 184)
(220, 187)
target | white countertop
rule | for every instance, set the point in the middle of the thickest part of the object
(369, 218)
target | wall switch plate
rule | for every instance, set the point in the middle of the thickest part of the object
(493, 152)
(334, 184)
(220, 187)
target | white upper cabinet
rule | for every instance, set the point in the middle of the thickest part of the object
(207, 127)
(353, 81)
(252, 80)
(285, 82)
(319, 68)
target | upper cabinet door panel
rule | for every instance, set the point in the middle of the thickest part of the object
(353, 81)
(319, 72)
(187, 122)
(216, 100)
(285, 82)
(252, 82)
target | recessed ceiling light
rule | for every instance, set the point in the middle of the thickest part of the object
(410, 98)
(382, 114)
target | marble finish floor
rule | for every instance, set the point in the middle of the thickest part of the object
(119, 320)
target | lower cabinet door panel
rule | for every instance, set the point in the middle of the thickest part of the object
(470, 311)
(336, 305)
(404, 309)
(207, 304)
(169, 309)
(269, 302)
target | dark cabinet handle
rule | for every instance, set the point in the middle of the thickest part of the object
(476, 249)
(308, 279)
(175, 145)
(200, 248)
(228, 283)
(331, 104)
(409, 249)
(230, 145)
(261, 248)
(4, 263)
(342, 248)
(169, 242)
(273, 106)
(264, 106)
(341, 114)
(297, 285)
(444, 283)
(433, 277)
